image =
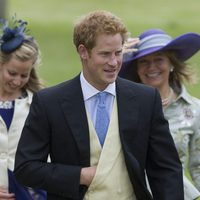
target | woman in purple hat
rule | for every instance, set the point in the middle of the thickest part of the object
(160, 62)
(19, 54)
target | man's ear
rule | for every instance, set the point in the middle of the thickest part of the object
(82, 52)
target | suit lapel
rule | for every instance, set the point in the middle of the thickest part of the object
(128, 107)
(128, 113)
(72, 103)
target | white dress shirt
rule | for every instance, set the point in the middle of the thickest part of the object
(90, 99)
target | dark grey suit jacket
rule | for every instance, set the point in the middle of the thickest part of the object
(57, 125)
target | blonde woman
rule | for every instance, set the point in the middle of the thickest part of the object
(19, 54)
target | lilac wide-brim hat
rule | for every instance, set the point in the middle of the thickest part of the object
(184, 46)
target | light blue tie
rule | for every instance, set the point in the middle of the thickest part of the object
(102, 117)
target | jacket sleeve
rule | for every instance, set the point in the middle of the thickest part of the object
(163, 167)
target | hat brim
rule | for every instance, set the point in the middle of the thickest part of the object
(184, 46)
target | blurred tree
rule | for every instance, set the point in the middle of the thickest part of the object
(3, 8)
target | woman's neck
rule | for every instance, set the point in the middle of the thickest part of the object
(167, 95)
(6, 96)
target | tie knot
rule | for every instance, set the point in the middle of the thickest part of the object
(102, 98)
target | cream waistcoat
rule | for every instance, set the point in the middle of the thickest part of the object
(111, 180)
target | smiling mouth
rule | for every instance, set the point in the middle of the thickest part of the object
(153, 75)
(110, 70)
(13, 87)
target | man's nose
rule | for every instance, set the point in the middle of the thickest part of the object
(113, 61)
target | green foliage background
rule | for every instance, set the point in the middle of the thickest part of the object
(51, 23)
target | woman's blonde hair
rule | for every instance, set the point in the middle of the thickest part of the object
(27, 51)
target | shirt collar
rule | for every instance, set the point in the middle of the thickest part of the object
(184, 95)
(89, 91)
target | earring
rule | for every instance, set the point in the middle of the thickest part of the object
(172, 69)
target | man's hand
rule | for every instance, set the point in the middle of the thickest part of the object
(87, 175)
(4, 195)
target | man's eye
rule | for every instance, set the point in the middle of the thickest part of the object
(105, 53)
(118, 53)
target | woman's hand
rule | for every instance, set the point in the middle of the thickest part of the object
(129, 45)
(5, 195)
